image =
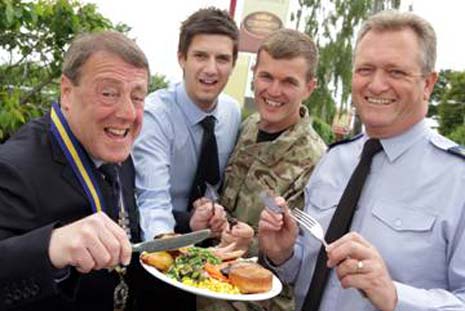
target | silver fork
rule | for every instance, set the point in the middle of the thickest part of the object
(303, 219)
(213, 196)
(310, 224)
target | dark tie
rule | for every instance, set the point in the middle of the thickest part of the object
(340, 223)
(111, 173)
(208, 167)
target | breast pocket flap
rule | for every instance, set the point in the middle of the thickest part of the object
(325, 199)
(403, 218)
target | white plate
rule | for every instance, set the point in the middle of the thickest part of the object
(275, 289)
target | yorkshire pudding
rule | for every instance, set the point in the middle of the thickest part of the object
(250, 277)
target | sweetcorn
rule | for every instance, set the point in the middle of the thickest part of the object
(213, 285)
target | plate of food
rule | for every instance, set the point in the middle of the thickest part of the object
(198, 271)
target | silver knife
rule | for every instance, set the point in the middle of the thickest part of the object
(174, 242)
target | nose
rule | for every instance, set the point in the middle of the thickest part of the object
(126, 109)
(211, 66)
(379, 82)
(274, 89)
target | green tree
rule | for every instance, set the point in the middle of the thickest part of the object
(33, 38)
(158, 81)
(438, 92)
(451, 110)
(332, 24)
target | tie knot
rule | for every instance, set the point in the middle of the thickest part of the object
(372, 146)
(110, 171)
(208, 123)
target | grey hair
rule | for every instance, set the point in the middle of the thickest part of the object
(87, 44)
(393, 20)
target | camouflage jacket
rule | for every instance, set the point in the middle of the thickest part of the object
(283, 166)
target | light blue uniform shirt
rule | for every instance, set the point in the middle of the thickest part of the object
(412, 209)
(167, 152)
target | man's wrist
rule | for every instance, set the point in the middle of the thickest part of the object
(275, 262)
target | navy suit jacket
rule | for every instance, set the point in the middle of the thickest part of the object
(38, 192)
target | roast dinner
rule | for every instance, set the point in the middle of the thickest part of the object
(207, 268)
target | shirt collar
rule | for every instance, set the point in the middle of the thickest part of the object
(395, 146)
(192, 112)
(98, 163)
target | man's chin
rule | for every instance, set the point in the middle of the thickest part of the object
(114, 156)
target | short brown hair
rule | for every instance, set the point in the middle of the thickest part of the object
(209, 21)
(392, 21)
(85, 45)
(289, 44)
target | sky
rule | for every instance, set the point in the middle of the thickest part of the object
(155, 26)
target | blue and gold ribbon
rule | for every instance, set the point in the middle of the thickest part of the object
(76, 157)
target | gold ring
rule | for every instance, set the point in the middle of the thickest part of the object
(360, 266)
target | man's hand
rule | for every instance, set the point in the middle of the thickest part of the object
(277, 233)
(359, 265)
(241, 234)
(92, 243)
(208, 215)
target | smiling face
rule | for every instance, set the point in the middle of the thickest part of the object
(207, 66)
(104, 110)
(388, 88)
(280, 87)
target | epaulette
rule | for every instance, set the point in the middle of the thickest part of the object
(458, 151)
(447, 145)
(344, 141)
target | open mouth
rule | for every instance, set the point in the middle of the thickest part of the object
(379, 101)
(273, 103)
(208, 82)
(116, 132)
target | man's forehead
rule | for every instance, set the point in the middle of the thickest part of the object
(203, 43)
(394, 45)
(102, 63)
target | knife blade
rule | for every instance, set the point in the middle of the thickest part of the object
(172, 242)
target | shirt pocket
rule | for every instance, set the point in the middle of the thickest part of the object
(322, 205)
(400, 218)
(402, 235)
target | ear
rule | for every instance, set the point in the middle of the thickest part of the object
(181, 60)
(430, 81)
(254, 67)
(310, 87)
(66, 87)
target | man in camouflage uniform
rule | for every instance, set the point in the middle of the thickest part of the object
(278, 148)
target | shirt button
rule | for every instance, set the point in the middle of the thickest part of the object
(398, 223)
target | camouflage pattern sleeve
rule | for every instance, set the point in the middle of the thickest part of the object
(282, 166)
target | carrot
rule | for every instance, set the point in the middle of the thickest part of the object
(215, 272)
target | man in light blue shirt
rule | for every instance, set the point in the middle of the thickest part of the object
(168, 149)
(406, 245)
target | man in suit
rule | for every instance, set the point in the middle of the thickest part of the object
(64, 225)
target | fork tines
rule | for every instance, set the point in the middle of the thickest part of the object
(310, 224)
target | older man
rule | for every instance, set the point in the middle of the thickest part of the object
(398, 189)
(67, 208)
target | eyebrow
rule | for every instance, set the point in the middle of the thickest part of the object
(204, 52)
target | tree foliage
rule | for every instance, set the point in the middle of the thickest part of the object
(158, 81)
(451, 109)
(33, 38)
(332, 24)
